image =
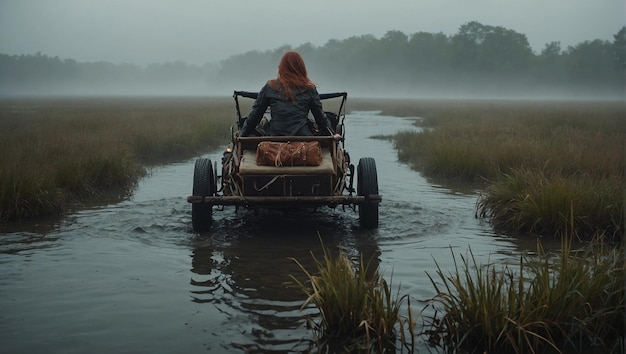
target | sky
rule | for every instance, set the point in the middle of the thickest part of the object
(208, 31)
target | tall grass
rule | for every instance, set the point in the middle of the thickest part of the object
(531, 201)
(572, 302)
(474, 141)
(358, 310)
(538, 159)
(551, 168)
(57, 152)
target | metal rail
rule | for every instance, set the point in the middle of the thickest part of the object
(285, 201)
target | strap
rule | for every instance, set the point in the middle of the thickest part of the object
(277, 162)
(267, 184)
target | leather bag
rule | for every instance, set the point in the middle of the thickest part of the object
(291, 153)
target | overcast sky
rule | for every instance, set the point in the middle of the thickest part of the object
(200, 31)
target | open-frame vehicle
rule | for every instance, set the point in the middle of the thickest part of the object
(243, 183)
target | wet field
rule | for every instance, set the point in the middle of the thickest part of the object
(131, 276)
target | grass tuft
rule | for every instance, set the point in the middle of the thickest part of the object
(358, 310)
(569, 302)
(531, 201)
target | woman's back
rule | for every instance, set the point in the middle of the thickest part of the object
(290, 97)
(291, 117)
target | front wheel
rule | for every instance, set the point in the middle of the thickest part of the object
(203, 185)
(367, 185)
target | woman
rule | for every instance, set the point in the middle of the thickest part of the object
(290, 97)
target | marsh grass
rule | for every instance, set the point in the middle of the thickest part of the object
(531, 201)
(58, 152)
(358, 309)
(550, 168)
(475, 141)
(553, 303)
(539, 159)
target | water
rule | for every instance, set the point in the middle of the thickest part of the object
(131, 276)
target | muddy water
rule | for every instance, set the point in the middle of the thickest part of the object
(131, 276)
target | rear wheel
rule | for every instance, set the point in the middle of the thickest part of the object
(203, 185)
(367, 185)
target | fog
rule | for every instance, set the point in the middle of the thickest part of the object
(200, 31)
(470, 89)
(363, 75)
(197, 47)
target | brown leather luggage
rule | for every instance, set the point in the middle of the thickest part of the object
(291, 153)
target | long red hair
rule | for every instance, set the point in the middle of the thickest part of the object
(291, 74)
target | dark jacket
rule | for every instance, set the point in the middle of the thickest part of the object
(288, 117)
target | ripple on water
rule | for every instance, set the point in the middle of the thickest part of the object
(133, 276)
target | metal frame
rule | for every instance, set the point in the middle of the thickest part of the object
(232, 182)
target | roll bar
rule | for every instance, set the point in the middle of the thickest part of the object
(323, 96)
(254, 95)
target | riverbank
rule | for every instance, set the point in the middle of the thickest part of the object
(548, 168)
(58, 152)
(123, 260)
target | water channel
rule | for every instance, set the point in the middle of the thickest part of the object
(131, 276)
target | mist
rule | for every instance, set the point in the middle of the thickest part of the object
(479, 61)
(366, 84)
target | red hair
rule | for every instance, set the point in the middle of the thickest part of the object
(291, 74)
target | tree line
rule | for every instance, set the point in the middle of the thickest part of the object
(41, 74)
(478, 60)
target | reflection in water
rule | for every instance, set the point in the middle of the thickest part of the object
(117, 278)
(245, 272)
(21, 243)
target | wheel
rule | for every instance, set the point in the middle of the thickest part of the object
(215, 177)
(367, 184)
(203, 185)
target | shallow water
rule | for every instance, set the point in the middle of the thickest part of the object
(131, 276)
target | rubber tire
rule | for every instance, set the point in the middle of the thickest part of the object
(203, 185)
(367, 184)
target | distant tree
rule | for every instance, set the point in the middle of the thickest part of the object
(478, 57)
(250, 69)
(490, 59)
(394, 46)
(332, 60)
(507, 52)
(307, 50)
(488, 49)
(548, 67)
(552, 50)
(619, 49)
(591, 62)
(429, 51)
(466, 47)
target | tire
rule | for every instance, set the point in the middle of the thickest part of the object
(203, 185)
(367, 184)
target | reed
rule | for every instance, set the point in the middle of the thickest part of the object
(358, 310)
(58, 152)
(568, 302)
(475, 141)
(537, 160)
(534, 202)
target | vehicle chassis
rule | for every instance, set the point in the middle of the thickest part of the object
(243, 183)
